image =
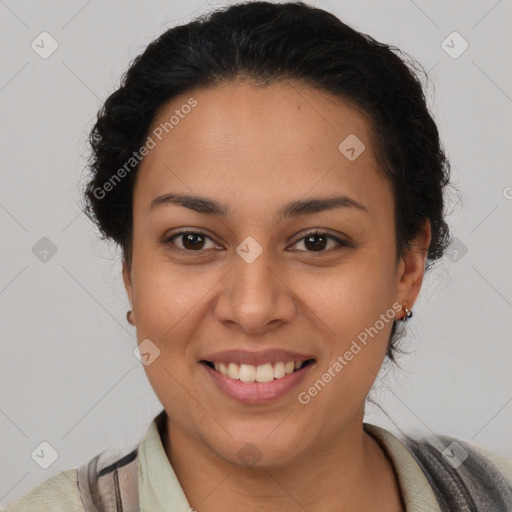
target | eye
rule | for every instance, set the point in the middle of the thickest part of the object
(191, 241)
(195, 241)
(316, 241)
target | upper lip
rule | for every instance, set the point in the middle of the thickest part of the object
(241, 356)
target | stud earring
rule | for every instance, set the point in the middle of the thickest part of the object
(407, 315)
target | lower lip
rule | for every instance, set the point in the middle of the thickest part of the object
(257, 392)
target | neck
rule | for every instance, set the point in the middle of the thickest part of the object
(352, 472)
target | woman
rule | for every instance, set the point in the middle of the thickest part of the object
(276, 185)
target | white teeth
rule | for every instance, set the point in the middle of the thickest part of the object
(264, 373)
(234, 371)
(279, 370)
(247, 373)
(260, 373)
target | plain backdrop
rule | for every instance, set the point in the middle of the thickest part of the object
(68, 373)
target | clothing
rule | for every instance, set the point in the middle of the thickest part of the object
(159, 489)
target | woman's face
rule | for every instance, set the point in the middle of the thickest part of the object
(253, 286)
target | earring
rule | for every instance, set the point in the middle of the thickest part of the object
(407, 314)
(129, 317)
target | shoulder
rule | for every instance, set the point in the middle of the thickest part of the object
(458, 452)
(502, 463)
(455, 470)
(461, 472)
(463, 455)
(59, 494)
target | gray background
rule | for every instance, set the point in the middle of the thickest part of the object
(69, 376)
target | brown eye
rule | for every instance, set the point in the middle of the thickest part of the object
(189, 240)
(317, 241)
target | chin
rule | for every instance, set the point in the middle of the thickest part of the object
(262, 450)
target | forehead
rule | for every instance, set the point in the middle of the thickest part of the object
(244, 143)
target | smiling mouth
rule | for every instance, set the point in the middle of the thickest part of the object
(266, 372)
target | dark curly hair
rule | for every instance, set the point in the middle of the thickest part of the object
(267, 43)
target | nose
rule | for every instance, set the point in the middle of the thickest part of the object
(255, 296)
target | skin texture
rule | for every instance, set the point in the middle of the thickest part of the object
(255, 149)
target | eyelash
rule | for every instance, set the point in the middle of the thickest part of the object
(169, 240)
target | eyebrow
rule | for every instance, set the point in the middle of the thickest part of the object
(208, 206)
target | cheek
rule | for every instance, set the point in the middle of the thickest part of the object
(357, 293)
(168, 301)
(356, 306)
(167, 308)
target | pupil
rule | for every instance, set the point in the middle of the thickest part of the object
(189, 240)
(192, 240)
(316, 246)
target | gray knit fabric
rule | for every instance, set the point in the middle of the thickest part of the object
(470, 485)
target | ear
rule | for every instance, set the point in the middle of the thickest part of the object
(411, 267)
(127, 279)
